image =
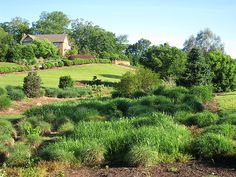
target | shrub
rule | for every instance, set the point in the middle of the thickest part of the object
(210, 145)
(19, 155)
(204, 93)
(66, 127)
(16, 94)
(142, 156)
(65, 81)
(203, 119)
(226, 130)
(139, 94)
(31, 86)
(6, 127)
(182, 116)
(2, 91)
(193, 103)
(5, 102)
(52, 92)
(142, 80)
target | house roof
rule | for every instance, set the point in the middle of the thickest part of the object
(50, 37)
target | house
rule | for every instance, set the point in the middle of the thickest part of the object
(59, 40)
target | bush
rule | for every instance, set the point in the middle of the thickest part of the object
(16, 94)
(5, 102)
(52, 92)
(142, 80)
(226, 130)
(2, 91)
(31, 86)
(210, 145)
(204, 93)
(203, 119)
(142, 156)
(66, 127)
(19, 155)
(65, 81)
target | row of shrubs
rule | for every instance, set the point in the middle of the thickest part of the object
(10, 69)
(52, 63)
(65, 62)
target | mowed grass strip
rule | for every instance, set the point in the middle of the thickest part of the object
(227, 101)
(50, 78)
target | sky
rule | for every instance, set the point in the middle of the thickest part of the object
(160, 21)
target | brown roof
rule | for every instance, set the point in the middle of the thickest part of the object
(50, 37)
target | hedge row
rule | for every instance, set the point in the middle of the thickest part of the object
(84, 61)
(10, 69)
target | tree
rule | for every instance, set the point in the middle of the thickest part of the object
(44, 48)
(5, 43)
(17, 26)
(136, 51)
(95, 40)
(168, 61)
(223, 68)
(32, 85)
(206, 40)
(141, 80)
(197, 70)
(51, 23)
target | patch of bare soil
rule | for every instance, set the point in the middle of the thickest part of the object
(190, 169)
(211, 106)
(19, 107)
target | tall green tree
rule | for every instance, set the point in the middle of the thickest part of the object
(93, 39)
(51, 23)
(5, 42)
(137, 50)
(168, 61)
(223, 68)
(198, 71)
(206, 40)
(17, 27)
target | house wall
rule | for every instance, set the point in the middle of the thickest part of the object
(65, 46)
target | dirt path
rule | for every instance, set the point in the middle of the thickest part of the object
(18, 107)
(190, 169)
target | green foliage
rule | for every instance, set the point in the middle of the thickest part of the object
(65, 82)
(2, 91)
(55, 22)
(5, 102)
(223, 68)
(96, 40)
(12, 67)
(28, 54)
(19, 155)
(142, 80)
(211, 145)
(197, 70)
(137, 50)
(32, 84)
(204, 93)
(168, 61)
(226, 130)
(15, 94)
(44, 48)
(142, 156)
(66, 127)
(206, 40)
(5, 42)
(6, 127)
(202, 119)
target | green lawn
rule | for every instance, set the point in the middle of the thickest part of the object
(227, 103)
(106, 72)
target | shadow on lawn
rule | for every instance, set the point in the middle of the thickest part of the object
(111, 76)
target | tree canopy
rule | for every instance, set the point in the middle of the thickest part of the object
(137, 50)
(51, 23)
(16, 27)
(206, 40)
(197, 70)
(168, 61)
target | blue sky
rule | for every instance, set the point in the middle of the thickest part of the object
(160, 21)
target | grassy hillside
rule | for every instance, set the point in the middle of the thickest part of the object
(227, 103)
(106, 72)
